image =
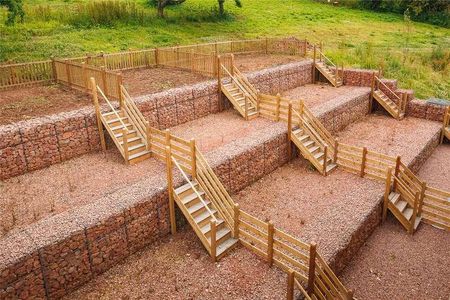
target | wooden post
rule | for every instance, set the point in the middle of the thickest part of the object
(213, 240)
(289, 130)
(102, 54)
(84, 76)
(156, 56)
(414, 215)
(54, 73)
(104, 84)
(173, 224)
(444, 124)
(397, 170)
(422, 197)
(149, 136)
(193, 159)
(98, 114)
(350, 295)
(236, 221)
(290, 285)
(232, 64)
(246, 106)
(125, 145)
(314, 66)
(219, 82)
(363, 162)
(270, 231)
(69, 78)
(119, 89)
(387, 191)
(278, 107)
(312, 267)
(372, 90)
(325, 159)
(336, 145)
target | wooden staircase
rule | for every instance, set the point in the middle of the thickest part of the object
(315, 143)
(394, 108)
(446, 125)
(126, 126)
(205, 219)
(327, 68)
(241, 93)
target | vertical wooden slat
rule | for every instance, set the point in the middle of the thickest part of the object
(173, 224)
(213, 240)
(414, 215)
(312, 267)
(270, 231)
(387, 191)
(193, 159)
(290, 285)
(97, 113)
(236, 221)
(325, 160)
(397, 169)
(125, 145)
(363, 162)
(290, 130)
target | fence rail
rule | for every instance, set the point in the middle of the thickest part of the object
(15, 75)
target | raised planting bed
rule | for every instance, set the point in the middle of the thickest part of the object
(413, 139)
(253, 62)
(394, 265)
(28, 102)
(435, 171)
(177, 267)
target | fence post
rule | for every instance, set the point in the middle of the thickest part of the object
(415, 207)
(246, 107)
(397, 169)
(270, 231)
(98, 114)
(350, 295)
(236, 221)
(232, 65)
(363, 162)
(156, 56)
(54, 73)
(313, 75)
(219, 82)
(105, 87)
(213, 239)
(372, 90)
(119, 89)
(125, 145)
(336, 145)
(387, 191)
(102, 54)
(290, 285)
(325, 160)
(149, 136)
(69, 79)
(444, 124)
(422, 197)
(173, 224)
(278, 107)
(312, 267)
(193, 159)
(84, 75)
(289, 130)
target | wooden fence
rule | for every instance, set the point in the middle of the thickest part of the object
(76, 75)
(16, 75)
(205, 64)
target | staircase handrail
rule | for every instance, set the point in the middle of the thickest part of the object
(247, 84)
(193, 188)
(329, 60)
(135, 114)
(244, 91)
(327, 135)
(113, 109)
(396, 96)
(218, 194)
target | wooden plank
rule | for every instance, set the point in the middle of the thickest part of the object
(278, 234)
(278, 254)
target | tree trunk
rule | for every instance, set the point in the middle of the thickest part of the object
(221, 8)
(161, 5)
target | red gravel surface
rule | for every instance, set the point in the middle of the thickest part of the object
(28, 102)
(153, 80)
(298, 199)
(27, 198)
(386, 135)
(178, 267)
(394, 265)
(436, 170)
(317, 94)
(252, 62)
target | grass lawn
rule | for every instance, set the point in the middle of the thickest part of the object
(353, 37)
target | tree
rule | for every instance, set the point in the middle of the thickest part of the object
(15, 9)
(161, 4)
(222, 9)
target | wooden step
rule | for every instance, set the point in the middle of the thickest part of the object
(393, 197)
(136, 148)
(205, 216)
(198, 208)
(190, 197)
(417, 222)
(314, 149)
(308, 143)
(116, 120)
(140, 156)
(225, 246)
(121, 127)
(319, 155)
(131, 141)
(401, 205)
(185, 189)
(407, 213)
(221, 235)
(331, 166)
(131, 133)
(206, 229)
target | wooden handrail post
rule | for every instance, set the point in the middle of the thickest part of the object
(119, 90)
(193, 158)
(149, 136)
(290, 285)
(311, 267)
(372, 90)
(313, 77)
(397, 169)
(125, 144)
(270, 231)
(444, 123)
(219, 82)
(363, 162)
(325, 159)
(173, 224)
(422, 197)
(236, 221)
(387, 191)
(278, 107)
(414, 215)
(98, 114)
(246, 106)
(350, 295)
(289, 132)
(232, 64)
(213, 240)
(336, 146)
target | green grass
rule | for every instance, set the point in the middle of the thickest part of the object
(353, 37)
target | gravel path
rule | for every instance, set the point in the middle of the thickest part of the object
(386, 135)
(298, 199)
(178, 267)
(436, 169)
(318, 94)
(395, 265)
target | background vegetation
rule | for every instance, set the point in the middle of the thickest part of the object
(416, 54)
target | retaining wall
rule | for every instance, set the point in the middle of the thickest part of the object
(38, 143)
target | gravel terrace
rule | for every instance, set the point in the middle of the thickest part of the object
(386, 135)
(252, 62)
(315, 95)
(178, 267)
(299, 200)
(436, 169)
(34, 101)
(32, 196)
(394, 265)
(153, 80)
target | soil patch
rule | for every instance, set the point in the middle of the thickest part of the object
(436, 169)
(252, 62)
